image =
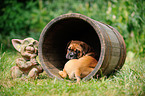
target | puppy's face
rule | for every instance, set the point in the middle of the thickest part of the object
(76, 49)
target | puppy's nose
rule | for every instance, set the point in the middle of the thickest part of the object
(71, 55)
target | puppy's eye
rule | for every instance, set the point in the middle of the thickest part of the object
(69, 49)
(77, 51)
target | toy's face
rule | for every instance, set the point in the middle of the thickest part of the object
(28, 45)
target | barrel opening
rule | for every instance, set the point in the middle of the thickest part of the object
(59, 33)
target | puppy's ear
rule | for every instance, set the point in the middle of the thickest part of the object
(68, 44)
(86, 48)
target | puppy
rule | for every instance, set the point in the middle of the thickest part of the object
(77, 49)
(78, 68)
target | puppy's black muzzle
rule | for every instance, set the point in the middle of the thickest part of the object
(71, 55)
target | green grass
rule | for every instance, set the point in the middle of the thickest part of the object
(130, 80)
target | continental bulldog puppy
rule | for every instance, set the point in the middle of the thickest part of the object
(81, 63)
(77, 49)
(78, 68)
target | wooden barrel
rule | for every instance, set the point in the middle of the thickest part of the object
(107, 42)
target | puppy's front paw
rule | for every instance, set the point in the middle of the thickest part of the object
(62, 74)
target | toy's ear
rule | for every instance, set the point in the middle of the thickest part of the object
(17, 44)
(36, 43)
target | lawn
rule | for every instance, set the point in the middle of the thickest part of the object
(130, 80)
(28, 18)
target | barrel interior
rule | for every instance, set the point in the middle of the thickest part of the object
(59, 33)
